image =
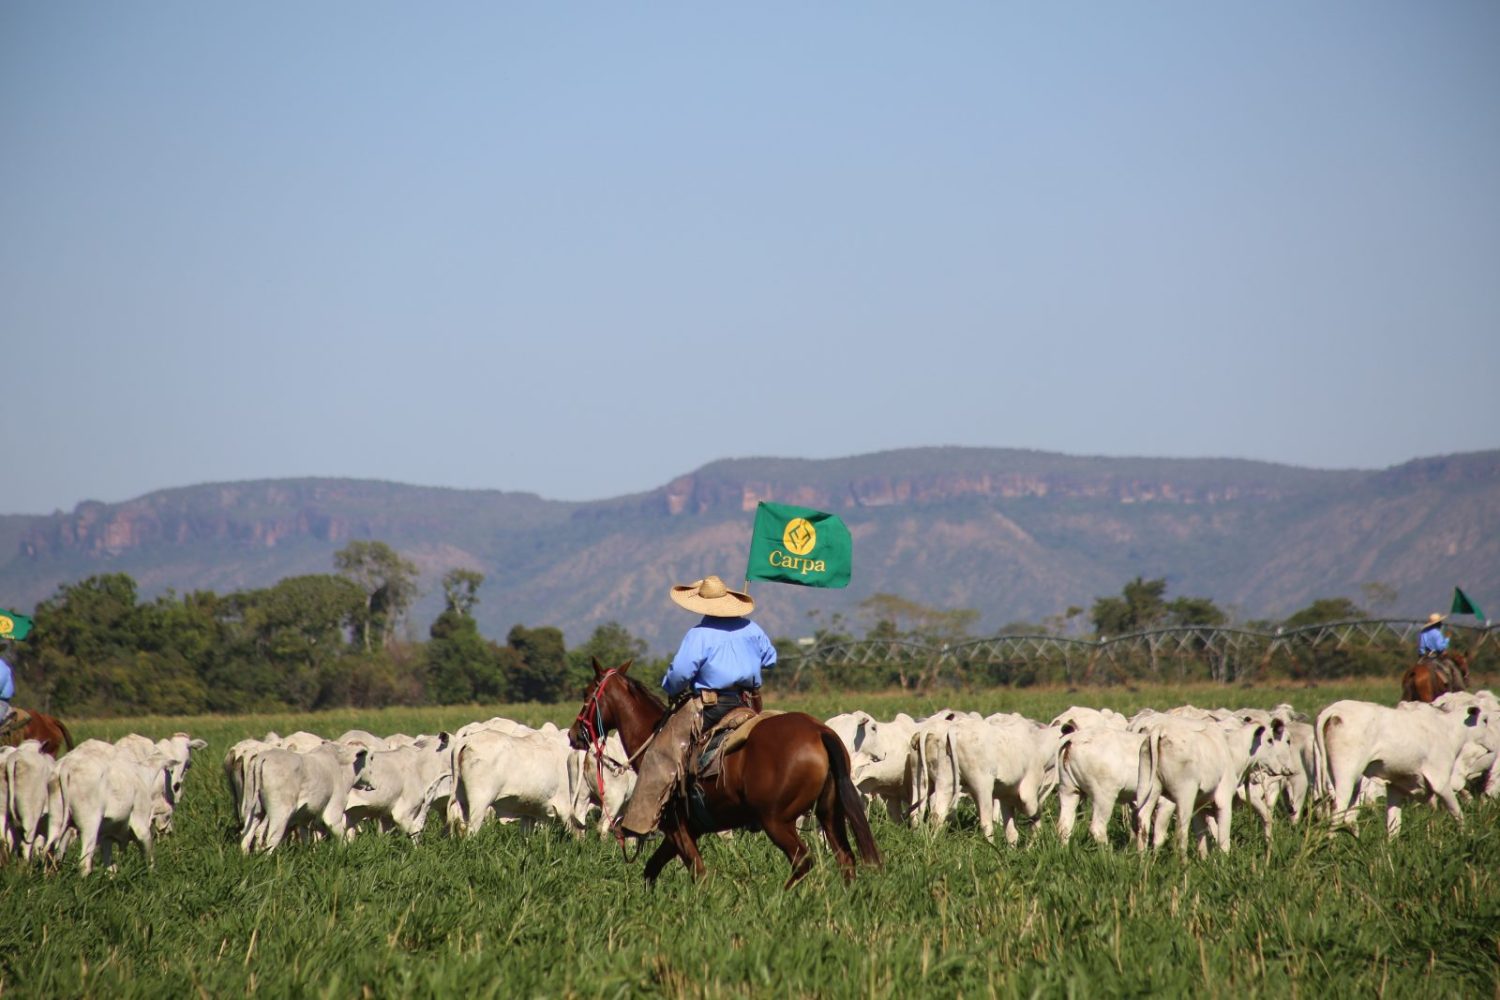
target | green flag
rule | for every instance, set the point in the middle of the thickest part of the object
(799, 545)
(1463, 606)
(13, 626)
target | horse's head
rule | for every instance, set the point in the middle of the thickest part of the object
(598, 714)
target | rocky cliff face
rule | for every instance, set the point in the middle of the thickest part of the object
(1013, 535)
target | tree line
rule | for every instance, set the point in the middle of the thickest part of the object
(337, 640)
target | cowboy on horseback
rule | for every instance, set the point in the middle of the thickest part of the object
(717, 669)
(7, 690)
(1432, 649)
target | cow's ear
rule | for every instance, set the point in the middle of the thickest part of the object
(624, 668)
(197, 744)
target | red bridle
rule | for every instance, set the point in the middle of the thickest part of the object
(591, 720)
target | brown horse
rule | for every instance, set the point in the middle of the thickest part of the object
(789, 764)
(49, 730)
(1430, 677)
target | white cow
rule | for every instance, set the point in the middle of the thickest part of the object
(1477, 768)
(520, 775)
(878, 763)
(1414, 748)
(286, 790)
(107, 796)
(1004, 761)
(398, 786)
(1099, 763)
(25, 772)
(179, 748)
(1083, 717)
(617, 777)
(1196, 764)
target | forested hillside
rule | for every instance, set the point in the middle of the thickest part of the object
(1013, 535)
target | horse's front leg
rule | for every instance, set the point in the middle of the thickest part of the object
(664, 853)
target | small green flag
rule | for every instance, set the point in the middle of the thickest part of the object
(13, 626)
(1463, 606)
(799, 545)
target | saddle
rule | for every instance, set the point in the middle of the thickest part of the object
(13, 728)
(725, 737)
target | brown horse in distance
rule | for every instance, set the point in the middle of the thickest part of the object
(50, 731)
(1430, 677)
(790, 763)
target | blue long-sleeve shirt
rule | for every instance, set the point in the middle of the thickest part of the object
(720, 653)
(7, 682)
(1432, 641)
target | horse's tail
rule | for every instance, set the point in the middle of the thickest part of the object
(67, 736)
(849, 800)
(1409, 685)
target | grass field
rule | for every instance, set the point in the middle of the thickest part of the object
(507, 913)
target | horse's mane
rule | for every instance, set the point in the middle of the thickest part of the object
(644, 692)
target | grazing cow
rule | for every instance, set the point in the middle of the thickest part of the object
(179, 748)
(1099, 763)
(931, 783)
(236, 760)
(617, 778)
(25, 771)
(1477, 769)
(108, 796)
(1414, 748)
(524, 776)
(285, 789)
(1195, 764)
(878, 764)
(1004, 761)
(1080, 717)
(397, 787)
(361, 738)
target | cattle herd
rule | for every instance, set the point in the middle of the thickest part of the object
(1188, 762)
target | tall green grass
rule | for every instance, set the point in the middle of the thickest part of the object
(507, 913)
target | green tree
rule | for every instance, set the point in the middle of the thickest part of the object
(1324, 609)
(1139, 606)
(540, 670)
(461, 590)
(295, 633)
(611, 645)
(389, 583)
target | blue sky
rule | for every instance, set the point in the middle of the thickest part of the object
(582, 249)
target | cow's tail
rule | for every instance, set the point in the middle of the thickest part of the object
(1064, 750)
(59, 810)
(850, 803)
(457, 797)
(1323, 780)
(1147, 789)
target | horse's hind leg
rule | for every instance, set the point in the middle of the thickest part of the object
(831, 818)
(784, 835)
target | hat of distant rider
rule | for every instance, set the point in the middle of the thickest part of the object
(1434, 618)
(709, 596)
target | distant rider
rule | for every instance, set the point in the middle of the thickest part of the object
(7, 691)
(718, 668)
(1432, 642)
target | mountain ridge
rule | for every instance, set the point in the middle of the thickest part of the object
(1014, 534)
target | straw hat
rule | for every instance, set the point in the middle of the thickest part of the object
(709, 596)
(1434, 618)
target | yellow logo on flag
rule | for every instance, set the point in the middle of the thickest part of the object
(800, 536)
(7, 624)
